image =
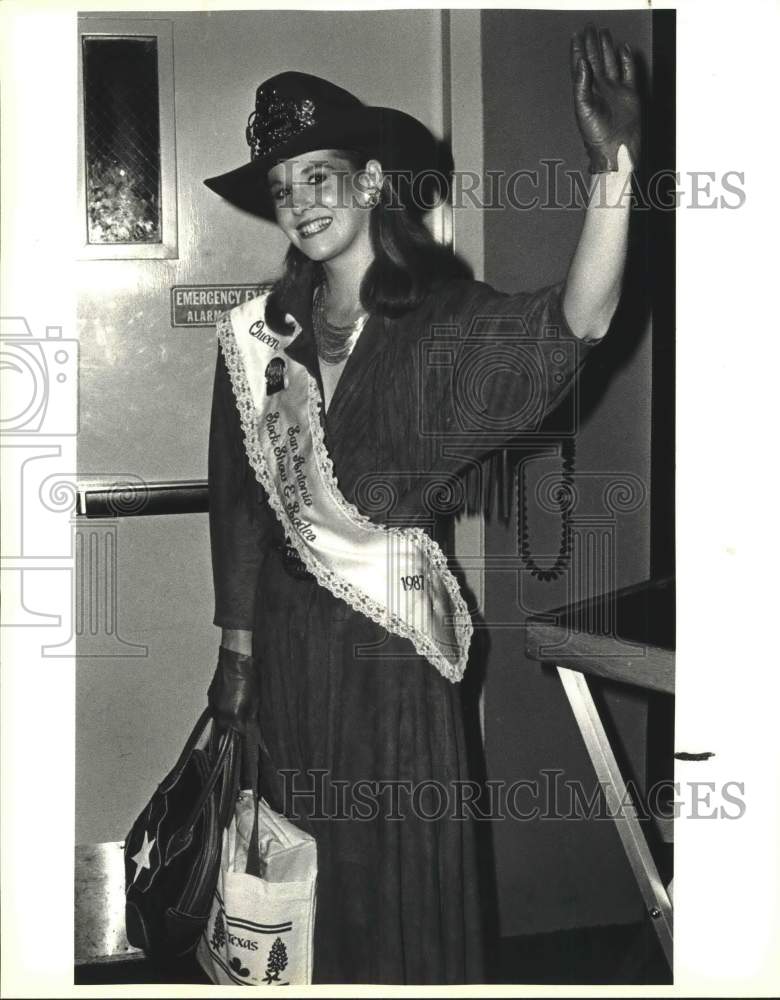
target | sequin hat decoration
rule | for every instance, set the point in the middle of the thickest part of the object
(296, 113)
(275, 120)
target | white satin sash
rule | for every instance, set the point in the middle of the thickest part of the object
(397, 577)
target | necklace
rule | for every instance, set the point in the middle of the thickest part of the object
(334, 343)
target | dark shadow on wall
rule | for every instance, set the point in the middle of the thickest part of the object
(546, 876)
(650, 293)
(649, 288)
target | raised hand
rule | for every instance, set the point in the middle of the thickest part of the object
(606, 101)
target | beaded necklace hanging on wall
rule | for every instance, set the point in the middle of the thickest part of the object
(334, 343)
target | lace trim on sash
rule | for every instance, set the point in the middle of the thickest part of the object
(347, 592)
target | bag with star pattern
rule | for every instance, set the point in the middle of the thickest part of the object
(172, 853)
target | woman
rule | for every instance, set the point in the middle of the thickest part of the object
(343, 632)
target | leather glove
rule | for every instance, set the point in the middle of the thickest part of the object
(606, 101)
(234, 692)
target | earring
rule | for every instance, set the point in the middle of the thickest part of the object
(373, 198)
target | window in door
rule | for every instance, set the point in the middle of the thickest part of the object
(127, 175)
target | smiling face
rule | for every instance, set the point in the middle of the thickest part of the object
(320, 201)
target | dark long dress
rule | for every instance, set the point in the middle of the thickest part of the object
(398, 899)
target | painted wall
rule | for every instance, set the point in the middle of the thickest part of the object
(145, 395)
(554, 874)
(145, 388)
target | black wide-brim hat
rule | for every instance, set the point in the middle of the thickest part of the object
(296, 113)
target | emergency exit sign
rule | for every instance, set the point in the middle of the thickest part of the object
(201, 305)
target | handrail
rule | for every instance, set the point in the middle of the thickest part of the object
(123, 498)
(651, 667)
(637, 648)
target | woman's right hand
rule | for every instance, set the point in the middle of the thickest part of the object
(234, 692)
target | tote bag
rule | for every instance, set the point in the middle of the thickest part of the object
(260, 929)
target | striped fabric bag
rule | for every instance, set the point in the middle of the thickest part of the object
(261, 926)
